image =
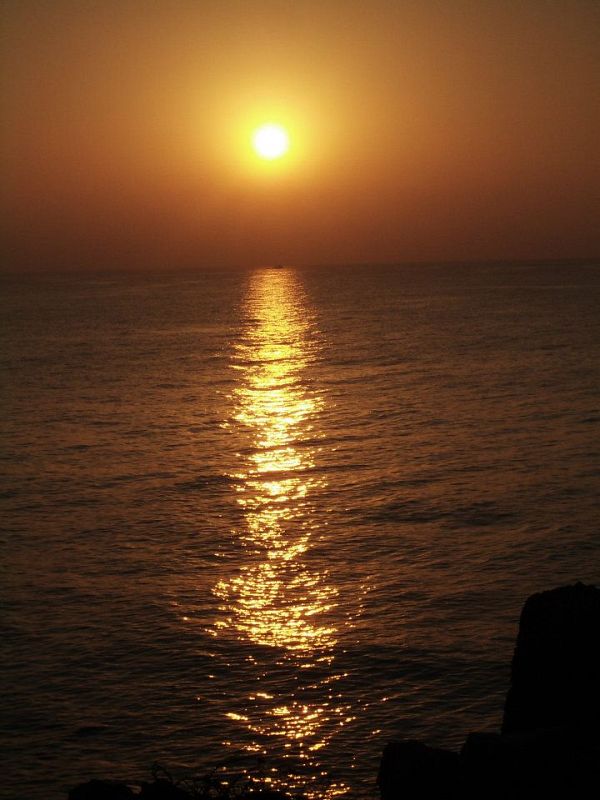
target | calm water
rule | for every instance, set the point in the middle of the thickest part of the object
(283, 513)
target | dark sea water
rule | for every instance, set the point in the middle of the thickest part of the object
(278, 517)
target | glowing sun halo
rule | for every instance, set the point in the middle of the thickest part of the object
(270, 141)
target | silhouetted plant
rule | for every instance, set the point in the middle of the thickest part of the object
(222, 786)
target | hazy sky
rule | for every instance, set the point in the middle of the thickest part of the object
(420, 130)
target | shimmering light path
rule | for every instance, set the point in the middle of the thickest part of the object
(278, 600)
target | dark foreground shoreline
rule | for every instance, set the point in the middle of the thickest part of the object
(549, 744)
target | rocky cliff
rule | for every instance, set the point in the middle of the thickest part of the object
(549, 745)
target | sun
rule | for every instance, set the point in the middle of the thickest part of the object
(270, 141)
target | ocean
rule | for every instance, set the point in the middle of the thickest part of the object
(265, 520)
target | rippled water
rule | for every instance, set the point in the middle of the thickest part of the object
(278, 517)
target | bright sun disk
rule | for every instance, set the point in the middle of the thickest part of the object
(271, 141)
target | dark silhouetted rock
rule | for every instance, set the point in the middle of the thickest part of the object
(543, 763)
(412, 769)
(101, 790)
(555, 675)
(550, 740)
(161, 789)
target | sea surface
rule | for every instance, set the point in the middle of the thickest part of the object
(266, 520)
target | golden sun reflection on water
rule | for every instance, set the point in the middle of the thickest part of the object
(279, 599)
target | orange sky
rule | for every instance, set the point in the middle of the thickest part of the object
(440, 129)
